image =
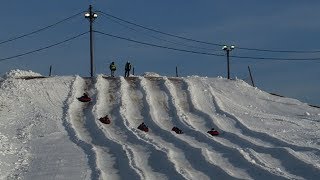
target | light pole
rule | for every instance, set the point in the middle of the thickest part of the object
(228, 49)
(91, 16)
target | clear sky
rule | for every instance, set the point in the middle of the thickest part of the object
(273, 25)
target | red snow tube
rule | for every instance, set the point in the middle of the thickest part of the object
(84, 99)
(213, 132)
(177, 130)
(143, 127)
(105, 120)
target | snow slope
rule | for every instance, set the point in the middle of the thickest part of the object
(46, 133)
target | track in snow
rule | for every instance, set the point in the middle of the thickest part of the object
(252, 148)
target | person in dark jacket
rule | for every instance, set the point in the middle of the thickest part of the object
(113, 68)
(127, 69)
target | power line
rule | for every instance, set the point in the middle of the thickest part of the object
(279, 51)
(277, 59)
(159, 46)
(210, 54)
(43, 48)
(161, 39)
(204, 42)
(157, 31)
(41, 29)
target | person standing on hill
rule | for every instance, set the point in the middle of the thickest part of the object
(113, 68)
(127, 69)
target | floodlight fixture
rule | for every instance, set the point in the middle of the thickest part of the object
(224, 48)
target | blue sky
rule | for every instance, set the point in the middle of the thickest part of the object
(273, 24)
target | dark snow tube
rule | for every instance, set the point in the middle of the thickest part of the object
(213, 133)
(105, 120)
(84, 99)
(177, 130)
(143, 128)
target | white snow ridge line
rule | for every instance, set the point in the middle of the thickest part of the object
(75, 126)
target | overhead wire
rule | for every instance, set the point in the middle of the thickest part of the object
(208, 43)
(41, 29)
(155, 45)
(43, 48)
(157, 31)
(161, 39)
(206, 53)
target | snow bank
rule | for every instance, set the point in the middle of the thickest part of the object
(148, 74)
(20, 73)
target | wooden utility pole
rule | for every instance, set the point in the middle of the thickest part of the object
(91, 16)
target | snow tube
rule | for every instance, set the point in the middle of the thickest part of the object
(143, 127)
(84, 99)
(177, 130)
(213, 132)
(105, 120)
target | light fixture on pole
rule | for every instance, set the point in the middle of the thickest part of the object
(91, 16)
(228, 49)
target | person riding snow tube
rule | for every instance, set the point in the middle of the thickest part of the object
(177, 130)
(105, 120)
(213, 132)
(84, 98)
(143, 127)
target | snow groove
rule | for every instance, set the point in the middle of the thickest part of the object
(275, 151)
(108, 101)
(156, 101)
(157, 97)
(265, 138)
(139, 112)
(143, 158)
(72, 116)
(220, 148)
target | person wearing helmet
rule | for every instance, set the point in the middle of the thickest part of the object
(113, 68)
(127, 69)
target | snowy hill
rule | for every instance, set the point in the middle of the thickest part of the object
(46, 133)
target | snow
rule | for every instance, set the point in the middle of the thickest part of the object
(46, 133)
(21, 74)
(150, 74)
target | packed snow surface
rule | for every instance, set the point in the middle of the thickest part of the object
(21, 74)
(46, 133)
(150, 74)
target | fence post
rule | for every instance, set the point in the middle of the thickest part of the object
(50, 70)
(251, 77)
(177, 71)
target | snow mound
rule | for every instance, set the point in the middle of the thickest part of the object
(20, 73)
(153, 74)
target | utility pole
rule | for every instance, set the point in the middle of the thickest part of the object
(91, 16)
(228, 49)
